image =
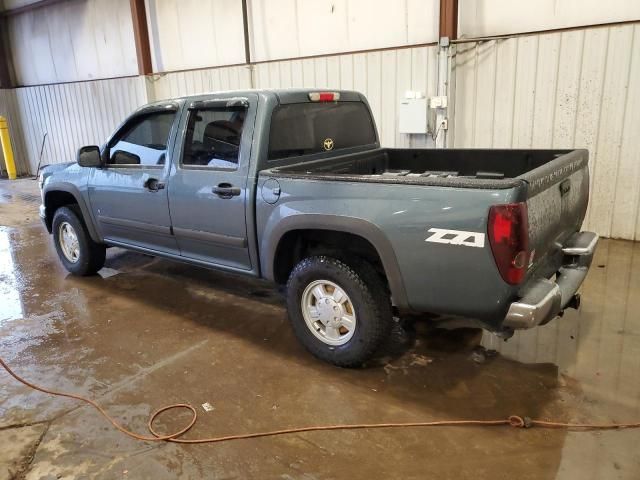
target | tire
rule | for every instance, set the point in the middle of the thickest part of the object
(368, 303)
(89, 256)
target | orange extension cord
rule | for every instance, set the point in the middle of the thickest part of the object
(513, 421)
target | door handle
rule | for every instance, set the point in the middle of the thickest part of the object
(153, 184)
(226, 190)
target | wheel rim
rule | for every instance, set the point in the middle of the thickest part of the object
(69, 243)
(328, 312)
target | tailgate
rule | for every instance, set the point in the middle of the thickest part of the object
(557, 199)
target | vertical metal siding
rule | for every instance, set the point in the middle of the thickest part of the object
(383, 76)
(192, 82)
(300, 28)
(573, 89)
(72, 114)
(73, 41)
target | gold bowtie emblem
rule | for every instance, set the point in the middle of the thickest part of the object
(328, 144)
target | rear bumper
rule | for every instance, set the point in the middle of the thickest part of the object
(543, 299)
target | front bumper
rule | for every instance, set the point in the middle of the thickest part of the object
(543, 299)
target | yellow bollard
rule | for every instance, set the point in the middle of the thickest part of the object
(5, 140)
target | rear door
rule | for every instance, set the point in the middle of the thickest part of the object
(129, 196)
(208, 190)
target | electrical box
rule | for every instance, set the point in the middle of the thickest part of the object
(438, 102)
(413, 115)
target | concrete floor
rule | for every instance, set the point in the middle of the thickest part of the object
(150, 332)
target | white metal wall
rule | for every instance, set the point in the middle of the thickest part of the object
(195, 33)
(481, 18)
(192, 82)
(282, 29)
(573, 89)
(72, 41)
(72, 115)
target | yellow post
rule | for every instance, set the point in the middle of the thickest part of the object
(5, 139)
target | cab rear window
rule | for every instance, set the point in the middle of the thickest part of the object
(308, 128)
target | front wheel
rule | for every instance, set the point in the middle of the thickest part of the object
(340, 314)
(77, 251)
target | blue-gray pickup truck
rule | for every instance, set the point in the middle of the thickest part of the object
(293, 186)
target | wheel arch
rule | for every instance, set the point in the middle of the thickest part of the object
(280, 248)
(64, 195)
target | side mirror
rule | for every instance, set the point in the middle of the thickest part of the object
(89, 156)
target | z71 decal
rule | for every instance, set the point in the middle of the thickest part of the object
(456, 237)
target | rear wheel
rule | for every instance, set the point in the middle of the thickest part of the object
(79, 254)
(339, 313)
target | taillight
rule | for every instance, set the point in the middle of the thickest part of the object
(324, 96)
(509, 238)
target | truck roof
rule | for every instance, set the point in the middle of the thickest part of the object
(284, 95)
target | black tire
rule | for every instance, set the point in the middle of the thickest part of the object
(91, 254)
(370, 299)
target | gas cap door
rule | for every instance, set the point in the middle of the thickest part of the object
(271, 191)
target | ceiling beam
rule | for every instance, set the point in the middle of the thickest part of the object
(449, 19)
(141, 35)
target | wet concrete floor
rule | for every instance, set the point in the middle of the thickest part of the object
(148, 332)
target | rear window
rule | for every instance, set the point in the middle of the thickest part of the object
(307, 128)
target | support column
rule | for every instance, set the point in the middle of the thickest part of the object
(141, 35)
(448, 32)
(449, 19)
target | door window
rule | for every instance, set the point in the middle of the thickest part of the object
(143, 141)
(213, 137)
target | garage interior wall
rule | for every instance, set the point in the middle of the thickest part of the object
(577, 88)
(571, 89)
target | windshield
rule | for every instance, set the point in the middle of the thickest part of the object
(307, 128)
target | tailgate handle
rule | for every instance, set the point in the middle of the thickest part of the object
(565, 186)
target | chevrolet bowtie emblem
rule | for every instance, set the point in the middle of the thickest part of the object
(328, 144)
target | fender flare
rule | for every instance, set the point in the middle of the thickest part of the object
(87, 217)
(336, 223)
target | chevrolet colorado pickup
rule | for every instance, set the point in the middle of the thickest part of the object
(293, 186)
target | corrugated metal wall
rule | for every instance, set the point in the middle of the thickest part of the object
(191, 82)
(73, 41)
(195, 33)
(572, 89)
(72, 115)
(282, 29)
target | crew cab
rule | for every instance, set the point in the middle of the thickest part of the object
(293, 186)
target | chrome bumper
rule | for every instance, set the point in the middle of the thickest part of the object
(544, 299)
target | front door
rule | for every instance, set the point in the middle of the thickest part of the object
(128, 196)
(208, 191)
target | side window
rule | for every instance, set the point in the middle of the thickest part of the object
(213, 137)
(144, 141)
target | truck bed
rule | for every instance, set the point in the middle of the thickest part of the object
(554, 184)
(470, 168)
